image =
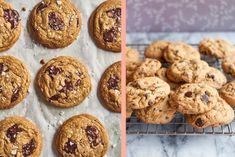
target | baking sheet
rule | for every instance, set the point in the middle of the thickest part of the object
(49, 118)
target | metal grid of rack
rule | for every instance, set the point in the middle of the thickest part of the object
(178, 126)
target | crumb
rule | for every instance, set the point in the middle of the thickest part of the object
(23, 9)
(42, 61)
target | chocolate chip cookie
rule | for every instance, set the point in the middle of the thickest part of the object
(155, 50)
(10, 26)
(130, 69)
(159, 113)
(221, 114)
(110, 87)
(145, 92)
(161, 73)
(82, 135)
(227, 92)
(132, 55)
(228, 65)
(55, 23)
(14, 81)
(105, 25)
(147, 68)
(180, 51)
(64, 81)
(194, 98)
(19, 137)
(218, 48)
(188, 71)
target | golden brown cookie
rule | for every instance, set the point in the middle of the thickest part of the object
(14, 81)
(55, 23)
(227, 92)
(64, 81)
(82, 135)
(219, 48)
(228, 65)
(10, 25)
(132, 55)
(105, 25)
(155, 50)
(221, 114)
(130, 69)
(19, 137)
(110, 87)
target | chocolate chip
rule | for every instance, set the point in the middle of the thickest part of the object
(42, 61)
(77, 22)
(29, 148)
(114, 13)
(199, 122)
(41, 6)
(78, 83)
(205, 98)
(68, 86)
(110, 35)
(55, 97)
(23, 9)
(11, 16)
(113, 82)
(3, 68)
(93, 135)
(70, 147)
(55, 22)
(211, 76)
(15, 94)
(12, 132)
(188, 94)
(52, 70)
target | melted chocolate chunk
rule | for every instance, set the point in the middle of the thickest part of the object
(211, 76)
(205, 98)
(55, 97)
(12, 132)
(15, 94)
(67, 87)
(70, 147)
(113, 83)
(199, 122)
(55, 22)
(110, 35)
(3, 68)
(52, 70)
(41, 6)
(29, 148)
(93, 135)
(42, 61)
(78, 83)
(188, 94)
(12, 16)
(114, 13)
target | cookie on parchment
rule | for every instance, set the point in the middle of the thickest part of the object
(55, 23)
(82, 135)
(19, 137)
(228, 65)
(145, 92)
(221, 114)
(64, 81)
(105, 25)
(227, 92)
(159, 113)
(180, 51)
(194, 98)
(10, 25)
(14, 81)
(110, 87)
(218, 48)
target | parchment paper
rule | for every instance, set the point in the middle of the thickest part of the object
(49, 118)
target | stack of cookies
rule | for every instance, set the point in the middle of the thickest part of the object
(173, 78)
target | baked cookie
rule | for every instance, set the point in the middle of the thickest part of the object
(55, 23)
(145, 92)
(221, 114)
(228, 65)
(180, 51)
(155, 50)
(10, 26)
(82, 135)
(161, 73)
(128, 113)
(194, 98)
(159, 113)
(218, 48)
(64, 81)
(105, 25)
(19, 137)
(110, 87)
(227, 92)
(188, 71)
(130, 69)
(14, 81)
(132, 55)
(215, 78)
(147, 68)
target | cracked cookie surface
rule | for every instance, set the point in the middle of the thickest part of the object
(19, 137)
(227, 92)
(64, 81)
(14, 81)
(82, 135)
(228, 65)
(55, 23)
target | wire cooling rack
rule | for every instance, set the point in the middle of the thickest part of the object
(178, 126)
